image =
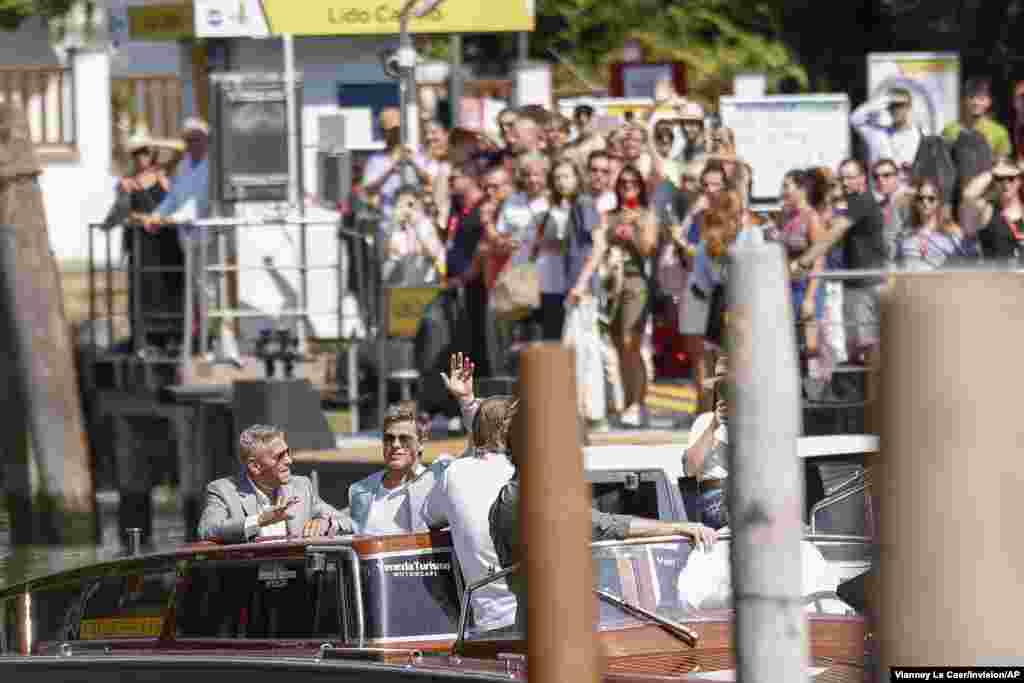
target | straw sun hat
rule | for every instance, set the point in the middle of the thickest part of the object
(141, 139)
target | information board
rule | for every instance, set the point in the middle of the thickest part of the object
(777, 133)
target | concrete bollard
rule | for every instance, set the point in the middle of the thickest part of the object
(766, 478)
(952, 477)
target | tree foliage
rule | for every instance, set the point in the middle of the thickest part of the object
(13, 12)
(715, 39)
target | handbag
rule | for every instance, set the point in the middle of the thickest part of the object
(516, 292)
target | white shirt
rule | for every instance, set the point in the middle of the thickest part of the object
(884, 141)
(519, 217)
(189, 198)
(390, 512)
(550, 264)
(252, 527)
(606, 202)
(463, 499)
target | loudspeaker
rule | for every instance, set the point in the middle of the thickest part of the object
(249, 143)
(334, 162)
(291, 404)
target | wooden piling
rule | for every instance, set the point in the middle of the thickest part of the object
(555, 521)
(38, 350)
(766, 477)
(952, 475)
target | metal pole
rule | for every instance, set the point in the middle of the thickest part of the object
(138, 326)
(555, 501)
(455, 84)
(188, 244)
(352, 361)
(766, 477)
(292, 114)
(92, 296)
(109, 294)
(949, 471)
(382, 326)
(407, 90)
(302, 325)
(522, 57)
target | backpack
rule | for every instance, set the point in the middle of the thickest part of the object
(972, 155)
(933, 160)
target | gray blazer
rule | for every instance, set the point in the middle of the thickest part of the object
(231, 499)
(360, 496)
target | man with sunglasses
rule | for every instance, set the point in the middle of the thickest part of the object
(895, 201)
(392, 501)
(264, 499)
(600, 176)
(886, 123)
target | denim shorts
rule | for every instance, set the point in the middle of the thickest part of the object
(713, 511)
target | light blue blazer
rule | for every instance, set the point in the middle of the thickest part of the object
(360, 496)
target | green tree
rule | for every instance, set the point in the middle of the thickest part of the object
(13, 12)
(714, 38)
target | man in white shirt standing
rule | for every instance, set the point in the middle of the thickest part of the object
(464, 495)
(887, 125)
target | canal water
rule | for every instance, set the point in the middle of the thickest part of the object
(25, 562)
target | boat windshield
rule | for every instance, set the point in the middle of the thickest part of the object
(668, 578)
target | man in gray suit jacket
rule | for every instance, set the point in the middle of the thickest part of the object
(392, 501)
(264, 498)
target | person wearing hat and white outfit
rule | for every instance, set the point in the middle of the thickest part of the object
(887, 125)
(189, 198)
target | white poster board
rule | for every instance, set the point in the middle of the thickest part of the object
(933, 79)
(777, 133)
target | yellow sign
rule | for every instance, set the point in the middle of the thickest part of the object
(121, 627)
(367, 17)
(405, 309)
(160, 22)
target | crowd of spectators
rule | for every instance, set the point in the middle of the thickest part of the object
(637, 220)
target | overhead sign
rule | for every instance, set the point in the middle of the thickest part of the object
(260, 18)
(160, 22)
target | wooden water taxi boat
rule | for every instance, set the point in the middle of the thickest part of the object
(362, 609)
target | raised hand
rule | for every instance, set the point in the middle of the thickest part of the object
(459, 381)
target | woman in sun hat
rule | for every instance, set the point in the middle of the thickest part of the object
(138, 194)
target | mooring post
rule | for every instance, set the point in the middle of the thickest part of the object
(951, 474)
(766, 477)
(555, 521)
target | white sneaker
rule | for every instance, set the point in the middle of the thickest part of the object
(632, 416)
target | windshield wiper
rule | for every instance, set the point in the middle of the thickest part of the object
(687, 635)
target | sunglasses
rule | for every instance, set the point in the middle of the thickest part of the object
(405, 440)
